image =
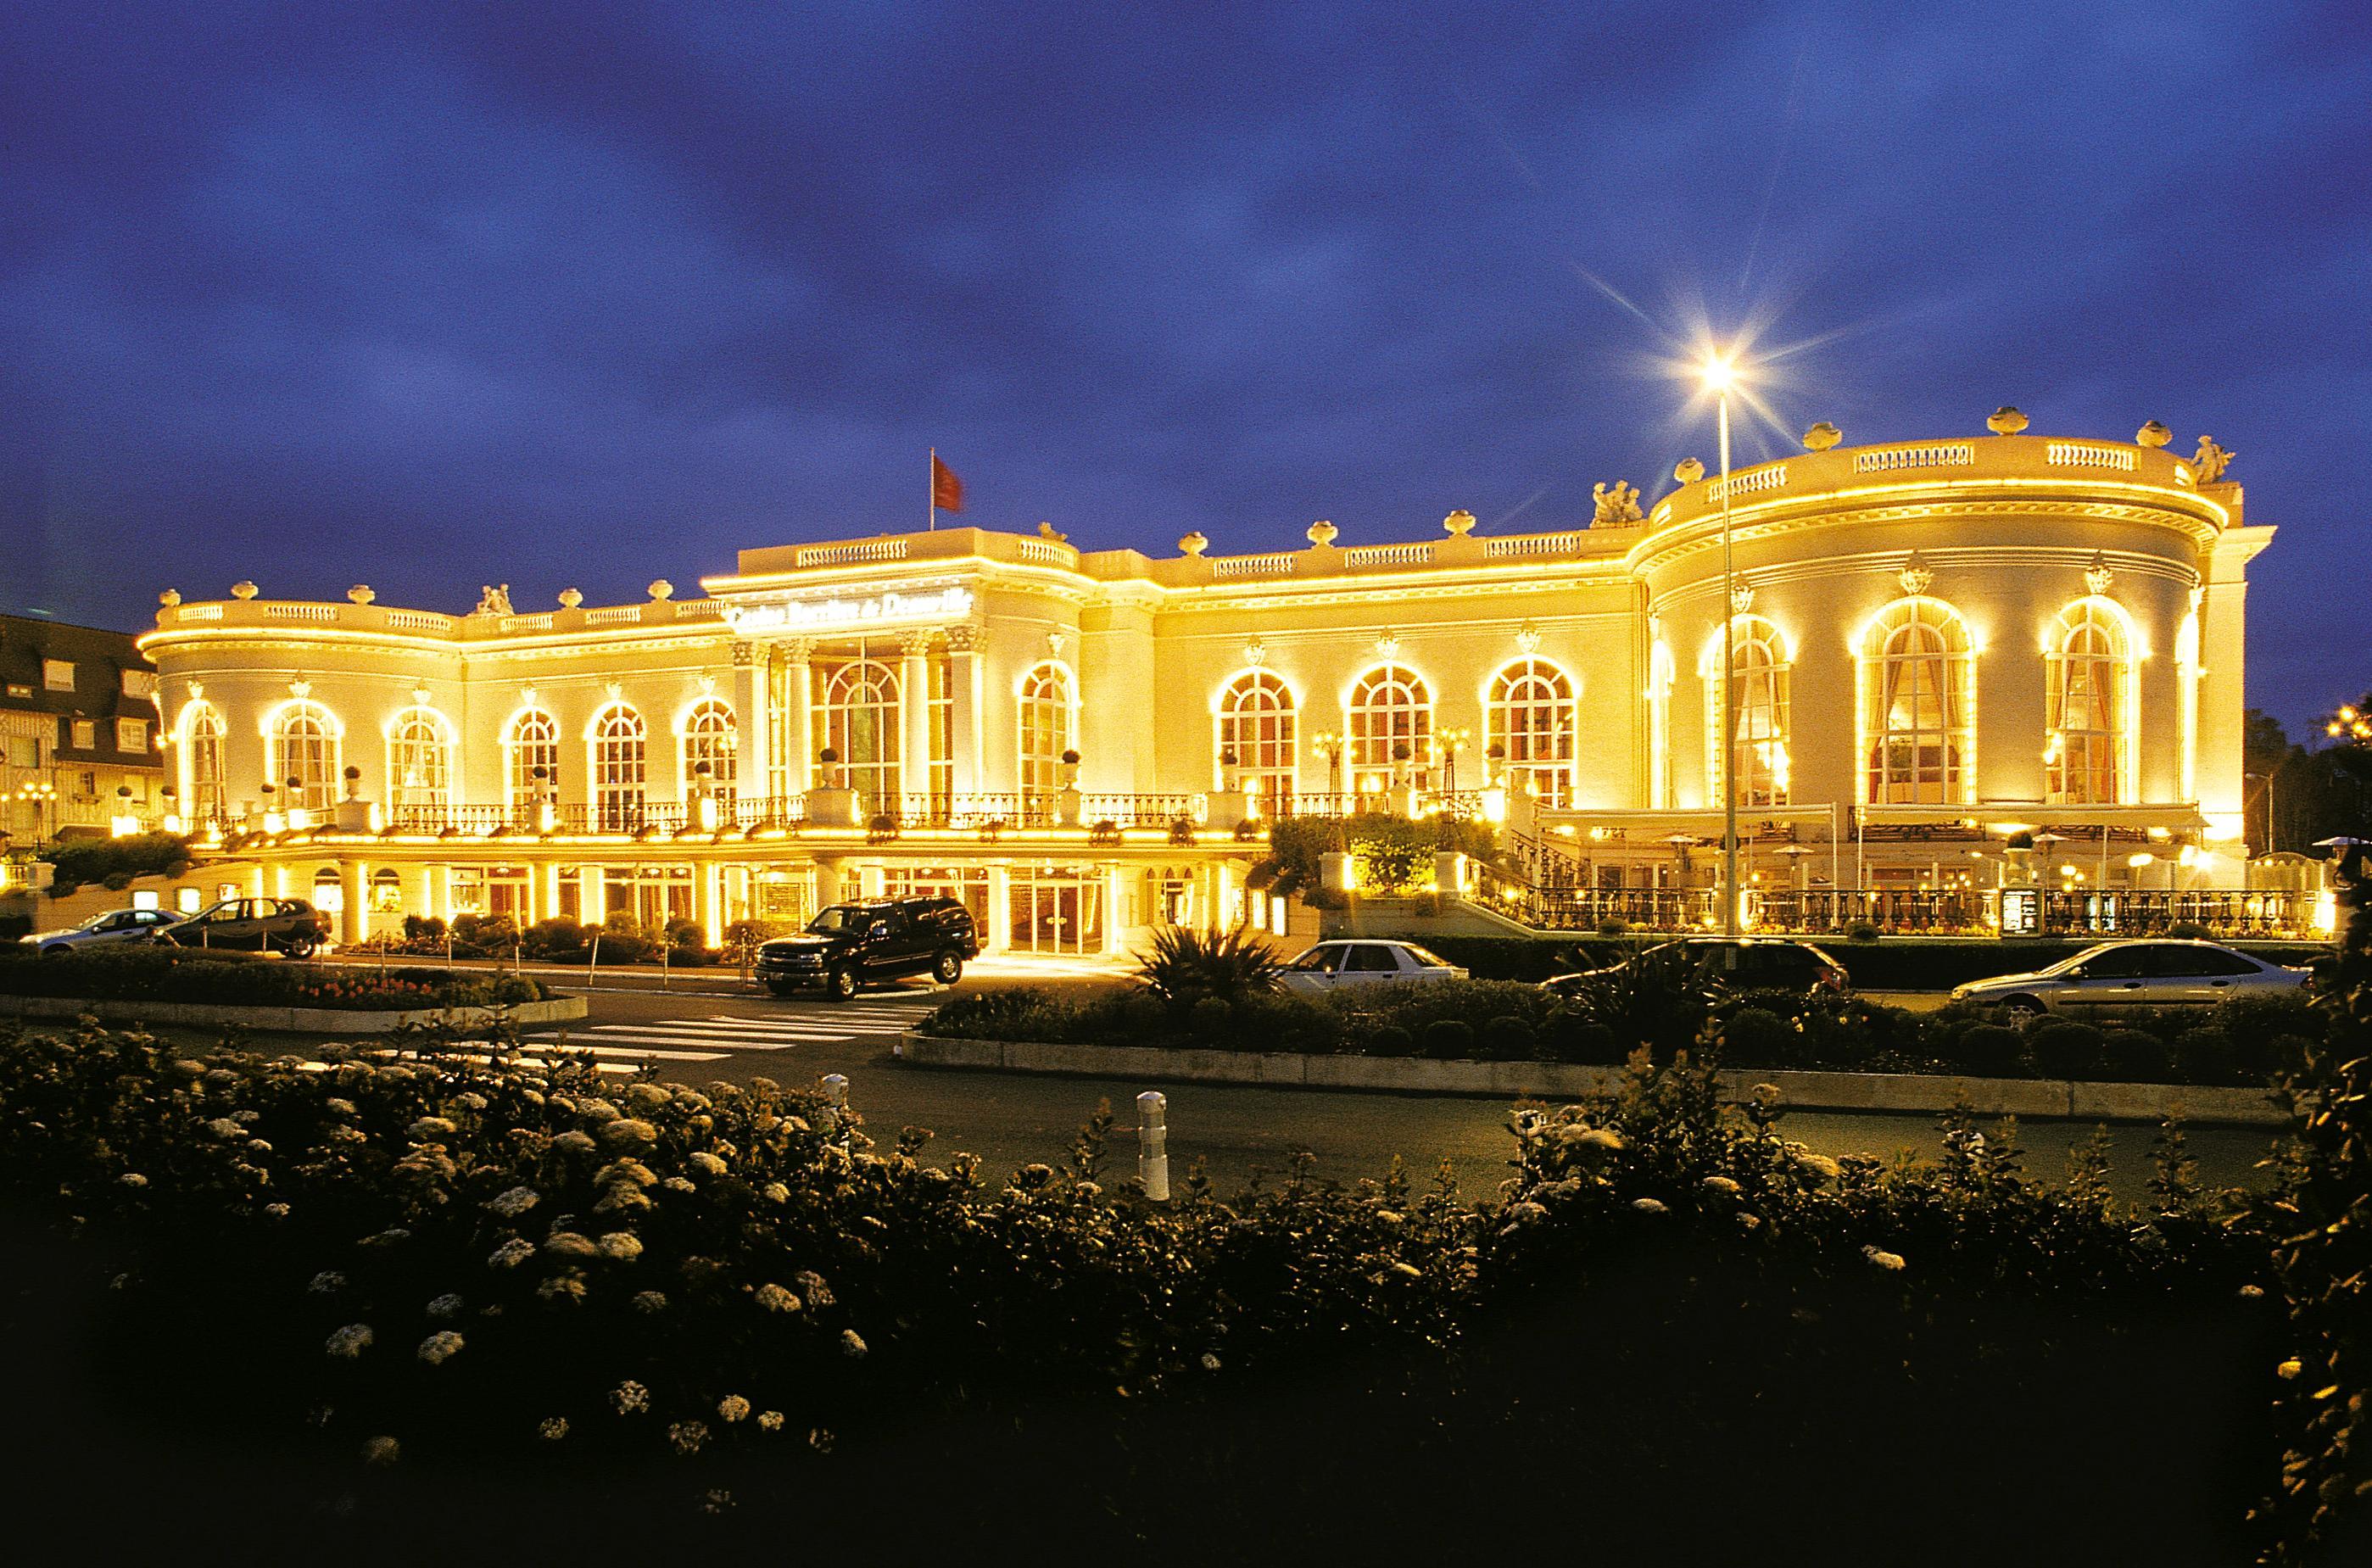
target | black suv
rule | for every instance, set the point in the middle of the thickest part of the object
(1741, 963)
(849, 945)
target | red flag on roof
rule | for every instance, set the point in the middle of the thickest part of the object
(947, 490)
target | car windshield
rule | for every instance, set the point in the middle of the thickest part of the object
(837, 918)
(2094, 951)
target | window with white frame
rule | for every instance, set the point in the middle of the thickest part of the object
(1916, 694)
(1528, 717)
(710, 740)
(1257, 740)
(304, 755)
(1759, 669)
(419, 762)
(1045, 729)
(131, 734)
(57, 675)
(140, 684)
(618, 763)
(532, 771)
(2089, 707)
(202, 763)
(861, 722)
(1392, 726)
(85, 733)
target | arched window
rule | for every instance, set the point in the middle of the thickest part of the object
(1256, 738)
(1918, 731)
(419, 762)
(1392, 726)
(1045, 698)
(1759, 670)
(532, 742)
(618, 768)
(304, 755)
(2087, 748)
(860, 722)
(203, 796)
(1529, 714)
(709, 737)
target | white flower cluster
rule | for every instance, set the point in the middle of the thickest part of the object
(513, 1202)
(774, 1298)
(440, 1347)
(1890, 1261)
(350, 1341)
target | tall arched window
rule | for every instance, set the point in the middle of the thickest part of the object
(617, 764)
(2091, 712)
(1256, 738)
(304, 755)
(709, 737)
(1391, 726)
(532, 742)
(419, 762)
(1917, 726)
(1760, 671)
(860, 722)
(1529, 714)
(203, 797)
(1045, 698)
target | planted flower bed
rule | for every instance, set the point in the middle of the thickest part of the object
(168, 974)
(414, 1279)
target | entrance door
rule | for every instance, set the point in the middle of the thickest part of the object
(1056, 910)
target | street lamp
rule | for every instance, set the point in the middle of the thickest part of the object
(1719, 372)
(1330, 745)
(1451, 740)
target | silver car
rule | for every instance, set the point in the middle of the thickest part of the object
(100, 930)
(2119, 977)
(1332, 965)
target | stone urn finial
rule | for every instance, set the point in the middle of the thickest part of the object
(169, 597)
(1322, 532)
(361, 592)
(244, 589)
(571, 597)
(1459, 524)
(2005, 421)
(661, 589)
(1822, 437)
(1688, 470)
(2153, 435)
(1193, 543)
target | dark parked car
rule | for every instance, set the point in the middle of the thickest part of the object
(852, 944)
(103, 931)
(1738, 963)
(277, 925)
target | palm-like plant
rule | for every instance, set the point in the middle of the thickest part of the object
(1185, 965)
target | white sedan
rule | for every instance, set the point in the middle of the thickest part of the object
(1331, 965)
(2116, 977)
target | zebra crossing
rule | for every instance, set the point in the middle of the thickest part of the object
(627, 1047)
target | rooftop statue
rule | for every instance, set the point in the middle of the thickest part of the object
(2211, 460)
(493, 599)
(1620, 504)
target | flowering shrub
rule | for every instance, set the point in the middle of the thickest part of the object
(178, 974)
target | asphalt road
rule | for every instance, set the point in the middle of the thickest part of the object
(720, 1032)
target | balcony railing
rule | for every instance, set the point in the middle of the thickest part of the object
(2230, 914)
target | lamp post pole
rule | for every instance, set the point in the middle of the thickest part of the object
(1729, 676)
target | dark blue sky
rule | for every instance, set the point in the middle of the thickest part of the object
(600, 292)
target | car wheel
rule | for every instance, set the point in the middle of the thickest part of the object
(299, 948)
(948, 967)
(2021, 1010)
(840, 984)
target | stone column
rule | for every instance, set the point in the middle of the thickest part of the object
(418, 896)
(1114, 943)
(915, 713)
(547, 891)
(827, 882)
(752, 723)
(589, 910)
(708, 901)
(998, 936)
(798, 720)
(966, 683)
(354, 895)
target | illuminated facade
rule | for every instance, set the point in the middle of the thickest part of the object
(1939, 650)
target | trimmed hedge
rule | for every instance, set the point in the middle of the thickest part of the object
(2238, 1042)
(178, 974)
(115, 861)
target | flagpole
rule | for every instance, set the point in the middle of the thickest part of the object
(933, 476)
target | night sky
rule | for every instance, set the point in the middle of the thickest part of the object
(598, 292)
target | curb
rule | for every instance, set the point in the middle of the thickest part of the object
(288, 1020)
(2196, 1103)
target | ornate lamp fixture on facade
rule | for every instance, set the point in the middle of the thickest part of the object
(1915, 578)
(2097, 577)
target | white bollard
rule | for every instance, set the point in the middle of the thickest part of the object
(1152, 1143)
(835, 1089)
